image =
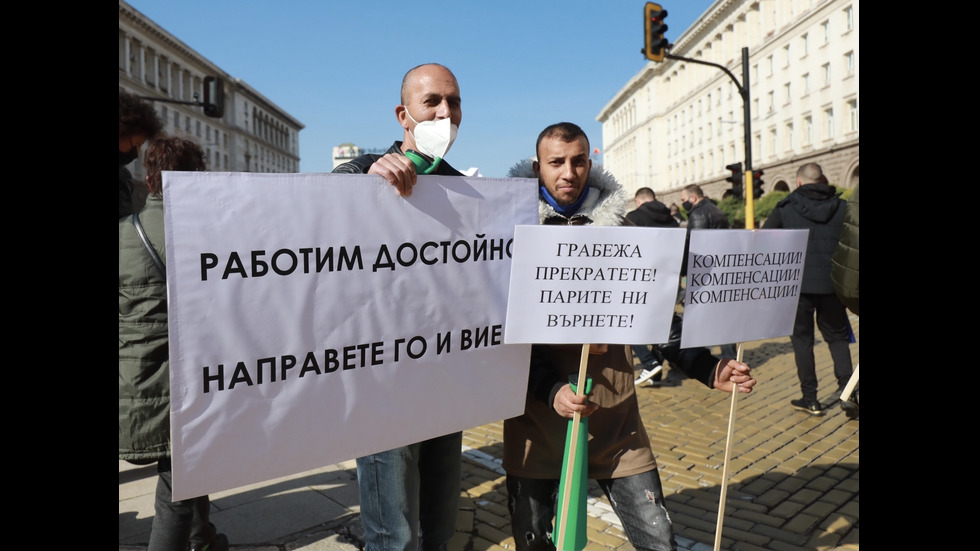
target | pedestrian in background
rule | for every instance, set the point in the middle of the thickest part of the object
(572, 193)
(814, 205)
(702, 213)
(138, 122)
(409, 496)
(675, 211)
(144, 358)
(651, 213)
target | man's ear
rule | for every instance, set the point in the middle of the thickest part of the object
(537, 168)
(401, 113)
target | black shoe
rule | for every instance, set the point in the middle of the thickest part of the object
(812, 407)
(850, 406)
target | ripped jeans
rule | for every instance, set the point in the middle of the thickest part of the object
(638, 501)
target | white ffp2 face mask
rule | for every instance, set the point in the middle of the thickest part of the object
(434, 138)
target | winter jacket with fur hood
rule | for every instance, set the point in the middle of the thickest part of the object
(534, 442)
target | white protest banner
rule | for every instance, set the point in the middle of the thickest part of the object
(315, 318)
(593, 284)
(742, 285)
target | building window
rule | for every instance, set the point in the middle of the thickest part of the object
(849, 63)
(848, 19)
(828, 117)
(755, 108)
(788, 94)
(772, 142)
(197, 128)
(826, 74)
(806, 84)
(772, 101)
(807, 130)
(852, 115)
(187, 124)
(176, 120)
(789, 137)
(769, 65)
(805, 42)
(786, 54)
(825, 29)
(755, 72)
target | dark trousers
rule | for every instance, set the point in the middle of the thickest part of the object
(831, 316)
(178, 522)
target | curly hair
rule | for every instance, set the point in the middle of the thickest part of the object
(171, 153)
(137, 117)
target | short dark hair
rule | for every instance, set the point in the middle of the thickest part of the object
(564, 131)
(171, 153)
(645, 193)
(137, 117)
(695, 190)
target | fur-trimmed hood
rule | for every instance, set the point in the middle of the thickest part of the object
(604, 206)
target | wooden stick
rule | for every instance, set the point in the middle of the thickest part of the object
(851, 383)
(572, 444)
(728, 452)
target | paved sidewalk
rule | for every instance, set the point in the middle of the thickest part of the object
(793, 478)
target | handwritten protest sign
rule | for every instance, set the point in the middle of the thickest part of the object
(585, 284)
(742, 285)
(315, 318)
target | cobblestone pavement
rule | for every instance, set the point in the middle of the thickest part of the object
(793, 479)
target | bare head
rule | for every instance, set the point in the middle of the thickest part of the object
(810, 173)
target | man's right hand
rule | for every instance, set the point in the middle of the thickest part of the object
(568, 403)
(398, 170)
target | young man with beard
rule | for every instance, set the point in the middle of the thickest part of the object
(573, 192)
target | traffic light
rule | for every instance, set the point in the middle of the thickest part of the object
(654, 29)
(757, 183)
(214, 97)
(737, 179)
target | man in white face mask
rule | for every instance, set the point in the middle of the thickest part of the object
(409, 496)
(430, 113)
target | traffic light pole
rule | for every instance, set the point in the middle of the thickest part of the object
(743, 90)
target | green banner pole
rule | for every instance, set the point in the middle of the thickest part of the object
(571, 520)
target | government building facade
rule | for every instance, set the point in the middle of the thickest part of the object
(679, 122)
(253, 134)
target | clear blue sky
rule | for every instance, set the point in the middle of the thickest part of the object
(337, 66)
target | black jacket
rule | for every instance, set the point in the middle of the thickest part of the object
(360, 165)
(817, 208)
(652, 214)
(706, 214)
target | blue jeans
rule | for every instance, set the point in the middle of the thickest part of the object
(175, 523)
(410, 495)
(638, 501)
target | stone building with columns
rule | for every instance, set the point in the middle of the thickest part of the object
(253, 134)
(678, 122)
